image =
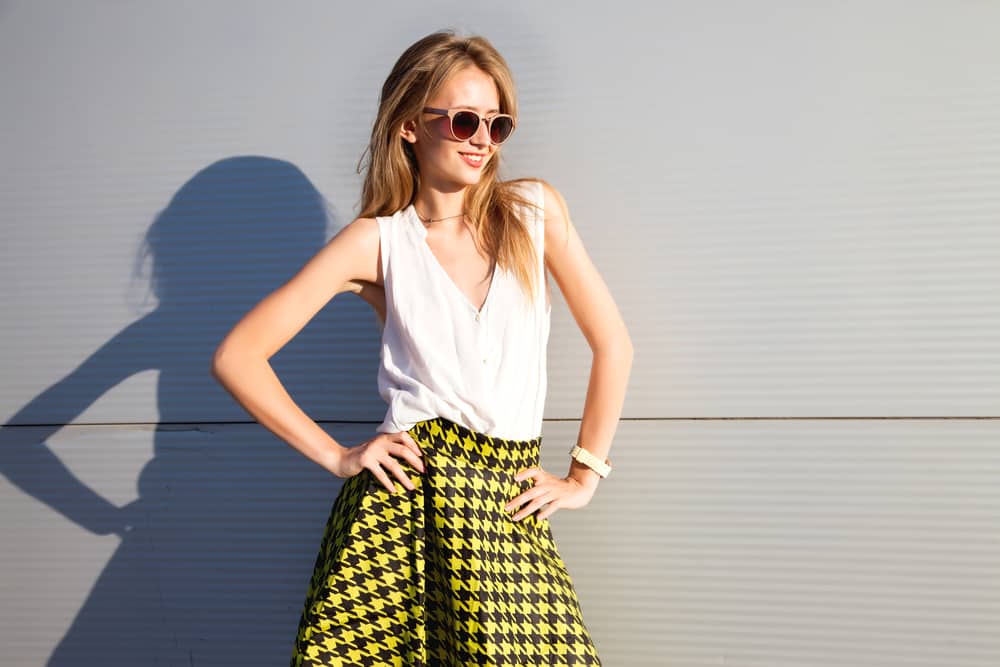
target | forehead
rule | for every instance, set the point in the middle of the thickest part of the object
(469, 87)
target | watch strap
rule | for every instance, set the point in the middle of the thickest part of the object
(584, 456)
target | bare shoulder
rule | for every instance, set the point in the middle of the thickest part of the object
(558, 226)
(557, 221)
(353, 252)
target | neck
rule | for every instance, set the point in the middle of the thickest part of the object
(433, 204)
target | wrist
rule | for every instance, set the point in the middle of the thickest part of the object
(587, 458)
(332, 457)
(584, 475)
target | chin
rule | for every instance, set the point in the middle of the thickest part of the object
(471, 174)
(469, 179)
(463, 176)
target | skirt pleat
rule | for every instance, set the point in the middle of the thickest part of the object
(442, 575)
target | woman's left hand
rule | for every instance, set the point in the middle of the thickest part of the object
(557, 492)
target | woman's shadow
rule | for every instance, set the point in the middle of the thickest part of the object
(215, 552)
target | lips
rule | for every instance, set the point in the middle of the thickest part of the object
(474, 159)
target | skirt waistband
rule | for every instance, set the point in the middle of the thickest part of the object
(455, 440)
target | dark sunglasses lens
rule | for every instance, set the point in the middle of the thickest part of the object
(500, 129)
(464, 124)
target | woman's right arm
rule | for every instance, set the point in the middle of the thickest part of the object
(240, 362)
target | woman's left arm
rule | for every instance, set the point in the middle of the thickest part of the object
(597, 315)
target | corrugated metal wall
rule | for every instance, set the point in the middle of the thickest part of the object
(795, 205)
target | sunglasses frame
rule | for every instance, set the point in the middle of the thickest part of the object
(450, 113)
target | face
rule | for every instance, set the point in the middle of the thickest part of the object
(445, 162)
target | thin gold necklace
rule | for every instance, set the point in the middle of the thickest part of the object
(430, 220)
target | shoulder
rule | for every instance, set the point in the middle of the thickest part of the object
(555, 204)
(355, 249)
(557, 221)
(361, 233)
(541, 193)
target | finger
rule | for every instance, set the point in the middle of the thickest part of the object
(403, 451)
(412, 448)
(550, 510)
(519, 500)
(532, 506)
(408, 439)
(382, 477)
(526, 473)
(397, 470)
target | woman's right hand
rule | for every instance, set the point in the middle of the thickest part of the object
(380, 453)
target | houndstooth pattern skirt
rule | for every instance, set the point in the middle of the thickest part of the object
(442, 576)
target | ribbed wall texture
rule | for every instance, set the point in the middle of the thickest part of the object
(796, 208)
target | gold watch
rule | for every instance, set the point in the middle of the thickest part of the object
(585, 457)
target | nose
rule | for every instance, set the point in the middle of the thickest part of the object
(482, 135)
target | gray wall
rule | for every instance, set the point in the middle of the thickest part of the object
(795, 206)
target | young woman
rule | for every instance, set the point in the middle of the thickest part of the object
(459, 567)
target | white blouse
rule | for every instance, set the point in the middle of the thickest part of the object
(441, 357)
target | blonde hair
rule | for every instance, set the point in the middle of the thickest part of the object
(393, 177)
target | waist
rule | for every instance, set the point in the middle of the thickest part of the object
(452, 439)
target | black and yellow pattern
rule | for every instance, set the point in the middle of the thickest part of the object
(442, 575)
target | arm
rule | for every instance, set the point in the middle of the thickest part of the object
(597, 315)
(372, 293)
(350, 261)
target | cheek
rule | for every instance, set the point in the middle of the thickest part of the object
(437, 130)
(434, 156)
(437, 153)
(439, 150)
(428, 149)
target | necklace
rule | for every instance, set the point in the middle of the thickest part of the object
(429, 220)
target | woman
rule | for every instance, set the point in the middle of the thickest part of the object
(460, 567)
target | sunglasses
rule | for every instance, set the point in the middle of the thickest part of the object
(464, 124)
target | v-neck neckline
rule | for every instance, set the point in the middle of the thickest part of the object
(422, 234)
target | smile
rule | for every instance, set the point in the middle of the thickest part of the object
(474, 159)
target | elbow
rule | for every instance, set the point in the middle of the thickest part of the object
(231, 358)
(627, 351)
(619, 348)
(622, 343)
(216, 365)
(221, 362)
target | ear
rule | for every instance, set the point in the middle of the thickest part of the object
(409, 131)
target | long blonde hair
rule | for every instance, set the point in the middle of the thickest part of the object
(392, 176)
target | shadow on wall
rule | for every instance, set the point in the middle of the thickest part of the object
(200, 575)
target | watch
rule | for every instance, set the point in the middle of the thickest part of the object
(585, 457)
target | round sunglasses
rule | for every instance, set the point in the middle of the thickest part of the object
(464, 124)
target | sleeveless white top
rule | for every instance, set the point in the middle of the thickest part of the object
(485, 370)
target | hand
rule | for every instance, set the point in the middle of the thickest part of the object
(551, 491)
(381, 451)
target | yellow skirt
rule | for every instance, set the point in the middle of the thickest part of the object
(442, 575)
